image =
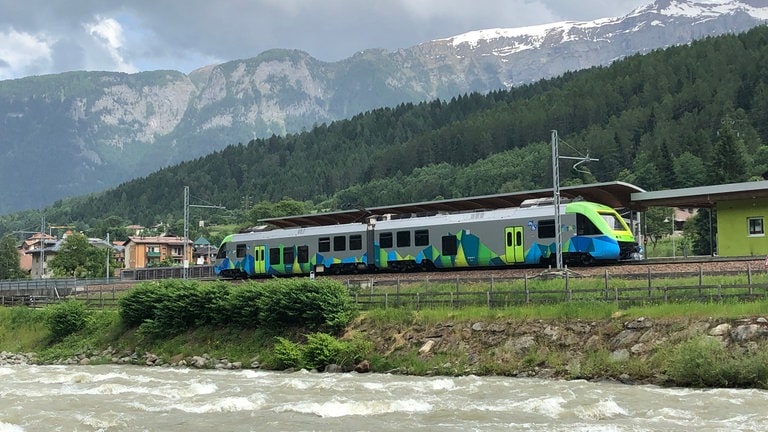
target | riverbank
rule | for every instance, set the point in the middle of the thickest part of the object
(712, 352)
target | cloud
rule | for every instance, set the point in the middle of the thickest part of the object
(108, 34)
(43, 36)
(23, 53)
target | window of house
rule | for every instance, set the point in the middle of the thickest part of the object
(385, 240)
(547, 228)
(356, 242)
(755, 226)
(324, 244)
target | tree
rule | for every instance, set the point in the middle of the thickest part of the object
(78, 258)
(657, 224)
(730, 163)
(9, 260)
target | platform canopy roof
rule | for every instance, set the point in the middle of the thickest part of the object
(700, 197)
(613, 194)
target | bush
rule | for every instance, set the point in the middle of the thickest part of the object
(287, 354)
(699, 362)
(321, 350)
(140, 303)
(66, 318)
(318, 304)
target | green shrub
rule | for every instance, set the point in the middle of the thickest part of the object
(287, 354)
(698, 362)
(321, 350)
(66, 318)
(319, 304)
(140, 303)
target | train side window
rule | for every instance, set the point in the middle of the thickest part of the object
(274, 256)
(302, 254)
(584, 226)
(509, 239)
(385, 240)
(222, 253)
(450, 245)
(288, 255)
(519, 238)
(547, 228)
(240, 250)
(339, 243)
(403, 238)
(324, 244)
(356, 242)
(421, 237)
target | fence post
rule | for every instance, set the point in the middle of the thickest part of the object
(749, 276)
(701, 275)
(418, 302)
(527, 293)
(398, 292)
(649, 283)
(488, 299)
(616, 295)
(386, 300)
(568, 293)
(489, 292)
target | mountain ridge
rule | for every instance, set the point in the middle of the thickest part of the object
(82, 132)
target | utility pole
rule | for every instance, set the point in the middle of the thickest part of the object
(187, 205)
(556, 192)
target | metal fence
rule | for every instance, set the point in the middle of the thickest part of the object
(621, 289)
(455, 291)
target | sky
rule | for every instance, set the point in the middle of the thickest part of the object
(40, 37)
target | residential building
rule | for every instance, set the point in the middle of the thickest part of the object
(141, 252)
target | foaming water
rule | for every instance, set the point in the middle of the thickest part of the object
(130, 398)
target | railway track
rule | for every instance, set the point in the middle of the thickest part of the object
(708, 265)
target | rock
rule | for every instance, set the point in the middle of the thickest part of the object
(427, 347)
(363, 367)
(720, 330)
(640, 323)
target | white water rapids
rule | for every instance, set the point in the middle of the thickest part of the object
(135, 398)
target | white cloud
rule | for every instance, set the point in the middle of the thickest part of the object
(23, 54)
(109, 34)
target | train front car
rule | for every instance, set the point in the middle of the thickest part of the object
(601, 234)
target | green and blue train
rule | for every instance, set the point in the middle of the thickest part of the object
(522, 236)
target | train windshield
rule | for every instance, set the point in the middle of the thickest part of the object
(614, 221)
(222, 252)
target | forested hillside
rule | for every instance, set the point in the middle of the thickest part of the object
(685, 116)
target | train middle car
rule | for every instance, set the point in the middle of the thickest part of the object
(589, 232)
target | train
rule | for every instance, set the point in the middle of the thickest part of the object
(590, 233)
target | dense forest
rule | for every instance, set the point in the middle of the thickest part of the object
(685, 116)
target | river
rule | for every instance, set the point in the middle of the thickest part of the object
(137, 398)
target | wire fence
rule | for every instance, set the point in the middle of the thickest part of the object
(456, 291)
(499, 292)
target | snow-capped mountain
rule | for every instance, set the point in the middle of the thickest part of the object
(527, 54)
(94, 130)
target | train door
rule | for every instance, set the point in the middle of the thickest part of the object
(515, 251)
(259, 260)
